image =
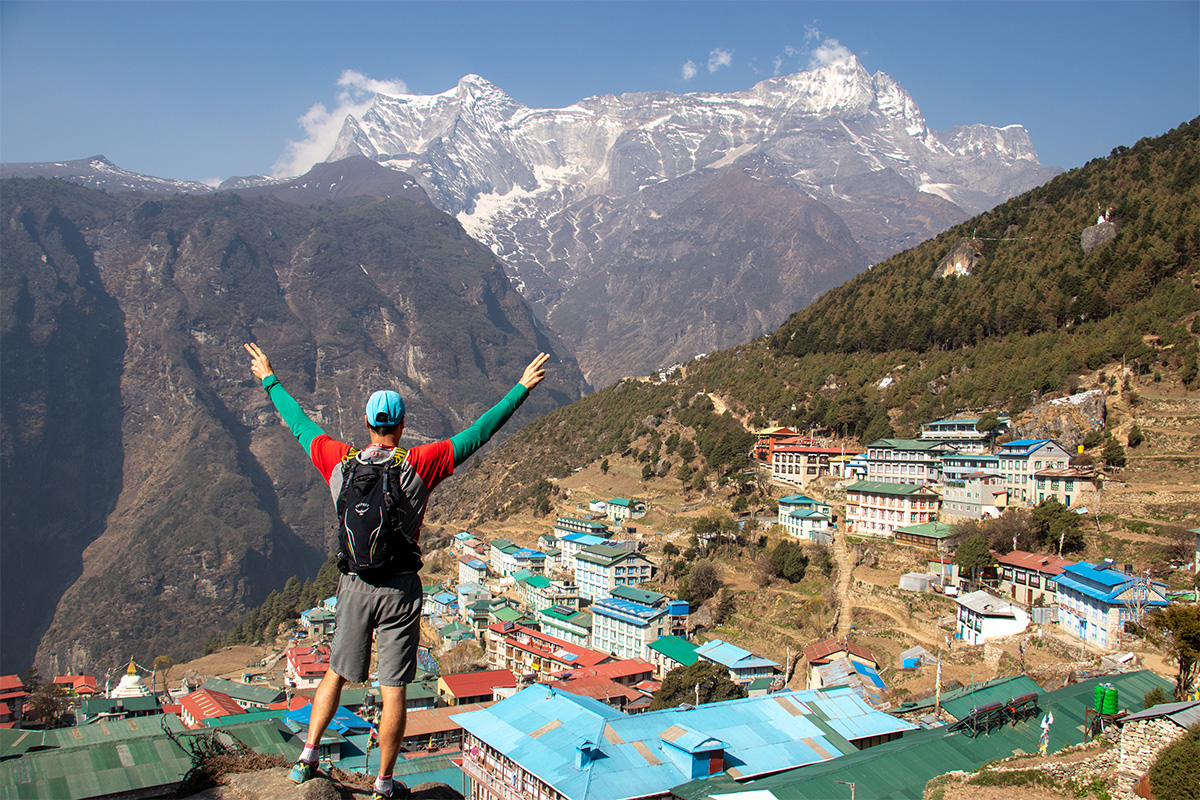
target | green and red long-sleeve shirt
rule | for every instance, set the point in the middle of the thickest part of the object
(431, 463)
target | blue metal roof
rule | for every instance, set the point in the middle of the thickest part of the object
(1106, 584)
(636, 613)
(528, 552)
(1022, 446)
(585, 539)
(732, 656)
(344, 721)
(543, 729)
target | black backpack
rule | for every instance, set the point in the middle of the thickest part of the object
(371, 510)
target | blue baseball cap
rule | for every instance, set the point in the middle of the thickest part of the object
(385, 408)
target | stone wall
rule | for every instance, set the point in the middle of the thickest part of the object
(1140, 744)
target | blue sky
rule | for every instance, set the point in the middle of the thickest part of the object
(208, 90)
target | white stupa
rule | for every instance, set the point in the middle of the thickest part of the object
(131, 685)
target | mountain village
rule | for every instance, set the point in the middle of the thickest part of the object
(1029, 654)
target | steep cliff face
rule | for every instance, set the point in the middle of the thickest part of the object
(702, 265)
(137, 448)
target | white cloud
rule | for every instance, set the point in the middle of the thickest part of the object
(778, 63)
(321, 126)
(719, 58)
(212, 182)
(790, 51)
(828, 52)
(689, 70)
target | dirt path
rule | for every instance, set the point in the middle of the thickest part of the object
(845, 574)
(901, 625)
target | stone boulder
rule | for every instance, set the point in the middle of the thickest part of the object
(1065, 419)
(1097, 235)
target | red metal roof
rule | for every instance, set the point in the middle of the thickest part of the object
(437, 720)
(474, 684)
(597, 688)
(819, 652)
(615, 671)
(1048, 565)
(550, 647)
(10, 682)
(208, 703)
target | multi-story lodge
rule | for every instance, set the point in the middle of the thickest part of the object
(603, 567)
(961, 433)
(1096, 600)
(566, 525)
(1020, 461)
(805, 518)
(624, 628)
(1025, 576)
(798, 463)
(526, 651)
(1071, 486)
(908, 461)
(874, 508)
(568, 623)
(975, 495)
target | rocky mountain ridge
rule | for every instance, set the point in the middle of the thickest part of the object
(558, 193)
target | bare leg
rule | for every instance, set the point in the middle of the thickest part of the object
(391, 726)
(325, 705)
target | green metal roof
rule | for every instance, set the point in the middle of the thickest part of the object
(264, 695)
(91, 706)
(901, 768)
(538, 581)
(675, 648)
(879, 487)
(87, 762)
(908, 444)
(996, 691)
(934, 530)
(506, 614)
(643, 596)
(604, 555)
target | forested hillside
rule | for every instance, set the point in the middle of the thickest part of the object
(900, 344)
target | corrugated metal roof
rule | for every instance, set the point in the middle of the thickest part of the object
(995, 692)
(1183, 714)
(730, 655)
(674, 647)
(95, 763)
(760, 734)
(901, 768)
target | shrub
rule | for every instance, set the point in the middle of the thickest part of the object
(1173, 773)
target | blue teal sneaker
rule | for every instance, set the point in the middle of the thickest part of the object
(302, 771)
(399, 792)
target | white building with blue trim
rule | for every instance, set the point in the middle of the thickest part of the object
(1096, 600)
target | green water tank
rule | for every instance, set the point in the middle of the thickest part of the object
(1098, 698)
(1110, 701)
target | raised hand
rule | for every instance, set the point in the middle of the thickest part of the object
(535, 373)
(260, 365)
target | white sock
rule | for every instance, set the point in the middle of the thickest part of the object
(309, 754)
(383, 784)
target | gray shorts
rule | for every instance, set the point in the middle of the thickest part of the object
(389, 610)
